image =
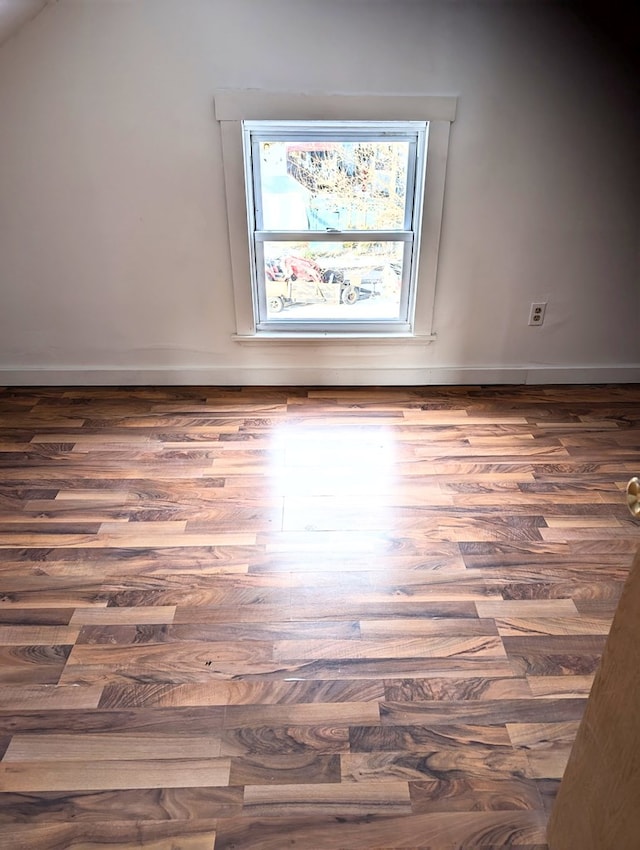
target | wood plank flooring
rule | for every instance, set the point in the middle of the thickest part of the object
(328, 619)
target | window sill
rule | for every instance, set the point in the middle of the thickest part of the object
(289, 337)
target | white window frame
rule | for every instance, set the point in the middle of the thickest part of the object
(234, 108)
(415, 134)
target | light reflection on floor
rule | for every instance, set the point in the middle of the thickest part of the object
(336, 482)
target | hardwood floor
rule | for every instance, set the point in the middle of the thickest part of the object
(332, 619)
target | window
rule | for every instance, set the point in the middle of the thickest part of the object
(334, 205)
(334, 214)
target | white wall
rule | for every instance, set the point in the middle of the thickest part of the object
(114, 256)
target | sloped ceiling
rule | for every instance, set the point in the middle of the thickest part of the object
(14, 14)
(616, 24)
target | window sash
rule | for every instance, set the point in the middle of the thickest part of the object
(400, 324)
(253, 139)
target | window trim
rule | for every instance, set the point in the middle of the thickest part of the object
(232, 108)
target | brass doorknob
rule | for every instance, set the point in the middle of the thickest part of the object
(633, 497)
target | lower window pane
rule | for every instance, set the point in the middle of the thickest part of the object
(333, 281)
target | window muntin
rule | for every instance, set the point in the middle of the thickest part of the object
(334, 212)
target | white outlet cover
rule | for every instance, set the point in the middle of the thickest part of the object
(536, 313)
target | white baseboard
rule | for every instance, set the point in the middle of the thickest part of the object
(291, 376)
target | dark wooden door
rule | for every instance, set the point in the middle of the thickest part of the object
(598, 805)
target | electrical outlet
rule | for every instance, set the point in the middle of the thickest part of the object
(536, 314)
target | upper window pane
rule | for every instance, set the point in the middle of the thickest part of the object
(327, 184)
